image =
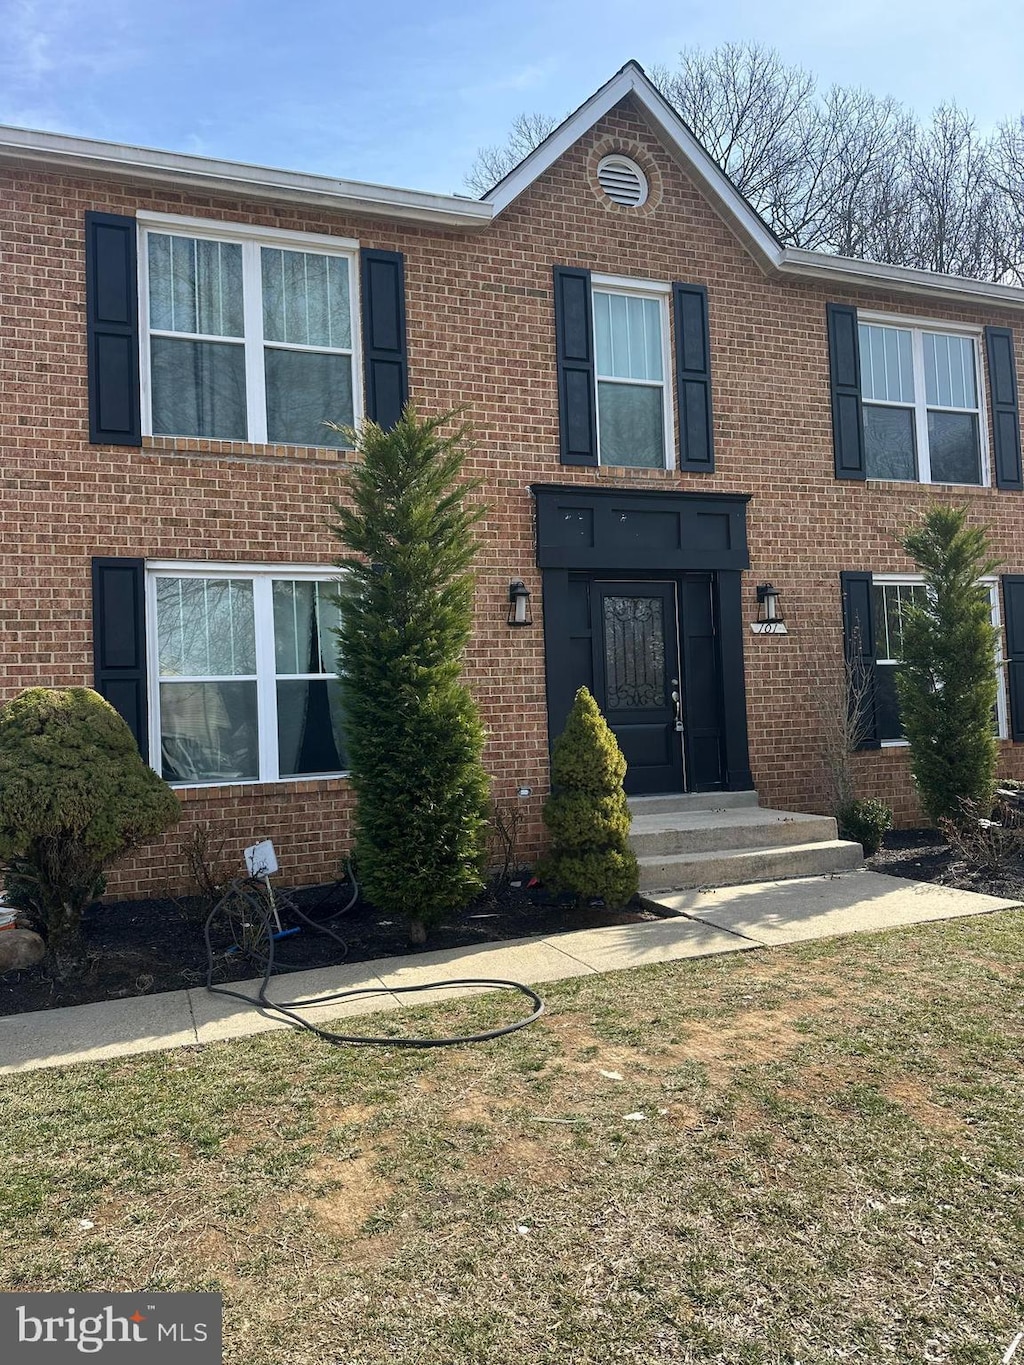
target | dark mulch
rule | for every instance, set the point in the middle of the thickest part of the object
(924, 856)
(139, 947)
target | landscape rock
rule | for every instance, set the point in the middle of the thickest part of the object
(20, 948)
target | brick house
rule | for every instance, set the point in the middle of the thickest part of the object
(671, 410)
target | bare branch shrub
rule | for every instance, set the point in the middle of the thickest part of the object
(213, 859)
(504, 829)
(842, 699)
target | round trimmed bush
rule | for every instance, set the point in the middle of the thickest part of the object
(75, 795)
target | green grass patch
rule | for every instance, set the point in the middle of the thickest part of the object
(829, 1167)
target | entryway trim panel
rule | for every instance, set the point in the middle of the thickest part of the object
(610, 529)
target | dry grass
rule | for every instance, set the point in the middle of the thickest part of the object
(829, 1167)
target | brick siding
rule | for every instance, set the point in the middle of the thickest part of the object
(480, 319)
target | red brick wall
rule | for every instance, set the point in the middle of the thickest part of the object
(480, 334)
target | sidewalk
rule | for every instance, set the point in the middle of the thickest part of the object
(727, 920)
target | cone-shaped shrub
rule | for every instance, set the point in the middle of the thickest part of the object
(413, 735)
(74, 796)
(947, 682)
(587, 814)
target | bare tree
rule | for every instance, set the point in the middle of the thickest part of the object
(840, 170)
(494, 163)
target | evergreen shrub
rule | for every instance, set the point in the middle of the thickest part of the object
(75, 795)
(864, 821)
(413, 734)
(587, 813)
(947, 682)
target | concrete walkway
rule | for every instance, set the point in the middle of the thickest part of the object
(727, 920)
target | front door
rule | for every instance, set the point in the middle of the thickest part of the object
(637, 679)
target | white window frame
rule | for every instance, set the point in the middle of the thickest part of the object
(648, 289)
(917, 328)
(992, 584)
(250, 239)
(262, 577)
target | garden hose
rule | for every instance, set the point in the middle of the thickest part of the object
(265, 961)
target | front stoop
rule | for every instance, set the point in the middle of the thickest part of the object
(726, 838)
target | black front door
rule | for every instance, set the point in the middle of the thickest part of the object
(637, 679)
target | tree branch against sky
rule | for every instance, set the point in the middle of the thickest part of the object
(838, 170)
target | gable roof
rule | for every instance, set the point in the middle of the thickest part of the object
(762, 243)
(452, 211)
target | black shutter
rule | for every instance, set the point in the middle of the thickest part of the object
(1002, 381)
(693, 377)
(574, 343)
(119, 641)
(112, 330)
(844, 371)
(385, 349)
(859, 644)
(1013, 616)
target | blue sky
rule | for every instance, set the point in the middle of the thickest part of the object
(404, 93)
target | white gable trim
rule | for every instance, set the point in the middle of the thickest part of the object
(631, 80)
(774, 258)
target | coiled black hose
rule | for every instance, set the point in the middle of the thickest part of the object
(267, 964)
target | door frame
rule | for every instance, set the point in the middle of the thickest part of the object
(625, 534)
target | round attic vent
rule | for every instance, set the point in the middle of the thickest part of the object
(622, 181)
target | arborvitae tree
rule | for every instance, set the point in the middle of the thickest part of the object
(947, 682)
(413, 734)
(74, 796)
(587, 812)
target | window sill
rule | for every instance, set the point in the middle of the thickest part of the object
(199, 445)
(194, 791)
(918, 483)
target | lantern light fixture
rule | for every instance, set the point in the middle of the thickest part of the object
(519, 613)
(769, 614)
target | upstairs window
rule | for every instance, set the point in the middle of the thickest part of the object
(248, 339)
(633, 408)
(921, 404)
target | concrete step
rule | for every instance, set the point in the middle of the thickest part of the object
(730, 867)
(689, 801)
(700, 831)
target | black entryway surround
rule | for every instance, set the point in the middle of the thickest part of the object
(631, 536)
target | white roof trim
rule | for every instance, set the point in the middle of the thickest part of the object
(234, 177)
(452, 211)
(773, 257)
(901, 278)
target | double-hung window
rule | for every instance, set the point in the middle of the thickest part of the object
(243, 670)
(631, 334)
(250, 337)
(891, 595)
(920, 390)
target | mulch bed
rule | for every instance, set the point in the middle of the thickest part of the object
(924, 856)
(140, 947)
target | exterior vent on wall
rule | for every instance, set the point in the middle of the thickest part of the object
(622, 181)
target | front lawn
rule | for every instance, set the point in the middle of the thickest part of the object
(829, 1166)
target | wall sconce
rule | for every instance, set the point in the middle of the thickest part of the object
(769, 614)
(519, 613)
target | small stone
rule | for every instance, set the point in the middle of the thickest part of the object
(20, 948)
